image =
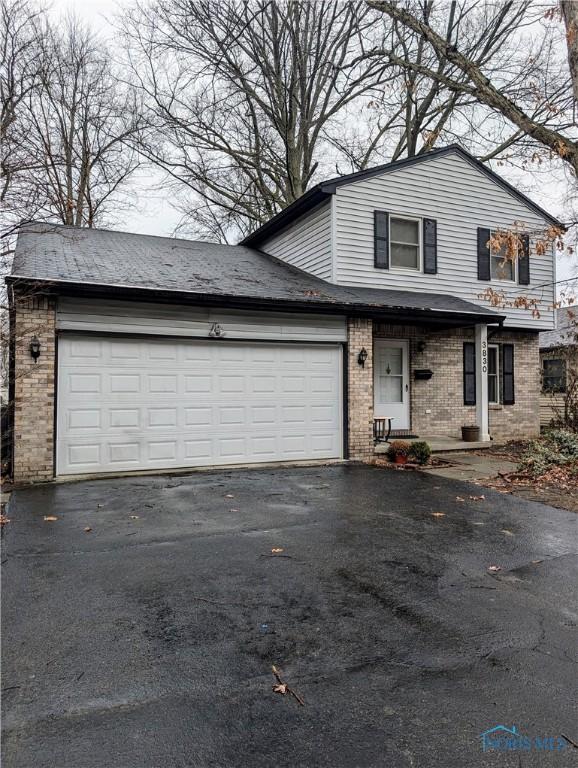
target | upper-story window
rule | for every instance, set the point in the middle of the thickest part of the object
(502, 268)
(405, 243)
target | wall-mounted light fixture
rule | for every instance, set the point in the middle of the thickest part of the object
(362, 357)
(421, 345)
(34, 348)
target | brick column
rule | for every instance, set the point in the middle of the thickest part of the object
(34, 388)
(360, 390)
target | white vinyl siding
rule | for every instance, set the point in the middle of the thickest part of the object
(306, 243)
(173, 320)
(461, 198)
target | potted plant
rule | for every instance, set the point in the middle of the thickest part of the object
(398, 451)
(470, 434)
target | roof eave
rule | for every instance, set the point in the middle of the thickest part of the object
(426, 316)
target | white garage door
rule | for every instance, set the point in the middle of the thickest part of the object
(126, 404)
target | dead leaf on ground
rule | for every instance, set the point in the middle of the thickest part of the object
(494, 568)
(4, 519)
(88, 529)
(477, 498)
(507, 532)
(535, 562)
(50, 518)
(460, 498)
(282, 688)
(277, 549)
(229, 496)
(438, 514)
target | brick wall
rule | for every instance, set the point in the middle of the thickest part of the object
(34, 388)
(443, 394)
(360, 389)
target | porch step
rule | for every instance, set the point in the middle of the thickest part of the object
(444, 444)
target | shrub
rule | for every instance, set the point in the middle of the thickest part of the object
(398, 448)
(557, 448)
(420, 451)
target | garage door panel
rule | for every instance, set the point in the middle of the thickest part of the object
(138, 404)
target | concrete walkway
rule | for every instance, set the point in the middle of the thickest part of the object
(471, 466)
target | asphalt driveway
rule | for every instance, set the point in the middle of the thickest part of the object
(147, 642)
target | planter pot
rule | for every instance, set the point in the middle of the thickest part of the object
(470, 434)
(399, 459)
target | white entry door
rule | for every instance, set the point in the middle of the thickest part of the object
(391, 381)
(155, 403)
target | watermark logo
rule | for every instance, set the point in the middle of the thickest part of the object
(502, 738)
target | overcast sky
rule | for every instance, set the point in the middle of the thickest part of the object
(153, 213)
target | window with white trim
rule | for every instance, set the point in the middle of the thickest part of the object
(502, 268)
(405, 243)
(493, 374)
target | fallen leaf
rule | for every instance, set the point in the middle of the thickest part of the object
(477, 498)
(229, 496)
(50, 518)
(535, 562)
(438, 514)
(460, 498)
(134, 517)
(494, 568)
(87, 529)
(507, 532)
(277, 549)
(280, 688)
(4, 519)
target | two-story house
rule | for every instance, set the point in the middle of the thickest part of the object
(361, 300)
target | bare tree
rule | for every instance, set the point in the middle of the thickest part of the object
(22, 32)
(241, 95)
(569, 10)
(541, 109)
(80, 119)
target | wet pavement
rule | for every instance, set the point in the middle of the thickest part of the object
(148, 640)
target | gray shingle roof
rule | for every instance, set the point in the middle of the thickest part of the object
(83, 257)
(565, 331)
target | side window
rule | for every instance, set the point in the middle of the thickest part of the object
(553, 375)
(493, 374)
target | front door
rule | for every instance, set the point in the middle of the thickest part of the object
(391, 381)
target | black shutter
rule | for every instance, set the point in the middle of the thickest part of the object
(524, 261)
(381, 239)
(430, 246)
(508, 374)
(483, 254)
(469, 373)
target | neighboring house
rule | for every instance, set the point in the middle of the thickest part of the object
(559, 366)
(360, 300)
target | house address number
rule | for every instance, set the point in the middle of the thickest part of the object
(484, 357)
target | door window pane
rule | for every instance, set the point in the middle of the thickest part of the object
(391, 361)
(390, 389)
